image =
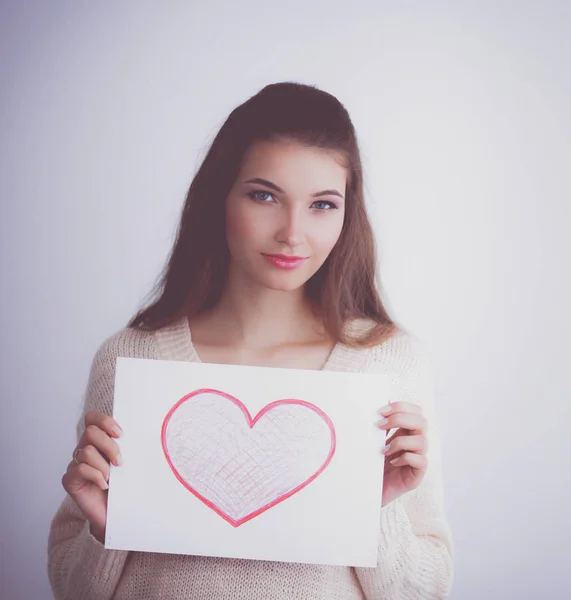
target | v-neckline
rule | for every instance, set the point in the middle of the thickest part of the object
(196, 356)
(175, 343)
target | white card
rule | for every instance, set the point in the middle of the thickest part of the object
(247, 462)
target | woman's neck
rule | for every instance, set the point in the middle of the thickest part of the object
(257, 318)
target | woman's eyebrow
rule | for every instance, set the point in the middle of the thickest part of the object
(279, 189)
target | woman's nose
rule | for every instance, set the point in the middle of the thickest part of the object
(290, 231)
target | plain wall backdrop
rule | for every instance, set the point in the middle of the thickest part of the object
(462, 110)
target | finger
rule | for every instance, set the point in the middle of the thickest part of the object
(406, 443)
(405, 407)
(79, 475)
(104, 422)
(410, 421)
(107, 446)
(410, 459)
(89, 455)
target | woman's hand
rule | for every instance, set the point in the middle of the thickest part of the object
(88, 472)
(405, 450)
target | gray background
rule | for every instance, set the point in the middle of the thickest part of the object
(463, 115)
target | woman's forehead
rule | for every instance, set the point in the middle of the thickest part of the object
(284, 157)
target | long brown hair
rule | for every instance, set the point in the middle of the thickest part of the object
(345, 287)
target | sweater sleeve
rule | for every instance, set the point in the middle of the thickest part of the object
(415, 547)
(79, 566)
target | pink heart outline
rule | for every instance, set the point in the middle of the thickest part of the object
(251, 422)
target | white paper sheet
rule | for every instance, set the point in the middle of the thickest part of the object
(247, 462)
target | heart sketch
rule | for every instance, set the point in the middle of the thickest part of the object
(241, 466)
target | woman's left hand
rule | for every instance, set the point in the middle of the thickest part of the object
(405, 450)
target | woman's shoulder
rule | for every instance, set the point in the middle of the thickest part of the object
(403, 353)
(405, 359)
(129, 342)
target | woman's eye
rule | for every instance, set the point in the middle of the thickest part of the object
(266, 197)
(325, 205)
(258, 195)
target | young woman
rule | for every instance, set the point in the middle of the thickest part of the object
(273, 265)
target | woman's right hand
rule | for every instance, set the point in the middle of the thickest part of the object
(88, 472)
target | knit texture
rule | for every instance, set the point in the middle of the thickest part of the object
(415, 549)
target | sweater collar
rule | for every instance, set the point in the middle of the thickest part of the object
(174, 342)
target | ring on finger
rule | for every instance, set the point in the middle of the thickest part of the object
(76, 454)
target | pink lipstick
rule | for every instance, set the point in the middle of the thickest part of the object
(283, 261)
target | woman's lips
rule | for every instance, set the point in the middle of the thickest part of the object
(284, 262)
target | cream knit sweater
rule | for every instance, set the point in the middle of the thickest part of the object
(415, 550)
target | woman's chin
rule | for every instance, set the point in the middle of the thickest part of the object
(285, 286)
(287, 281)
(283, 280)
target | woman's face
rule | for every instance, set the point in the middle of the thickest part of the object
(287, 200)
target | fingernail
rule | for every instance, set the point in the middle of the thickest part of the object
(386, 409)
(118, 460)
(382, 422)
(117, 430)
(105, 486)
(393, 461)
(386, 449)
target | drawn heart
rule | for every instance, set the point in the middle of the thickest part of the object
(241, 466)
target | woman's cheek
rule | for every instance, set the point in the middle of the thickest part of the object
(329, 236)
(239, 222)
